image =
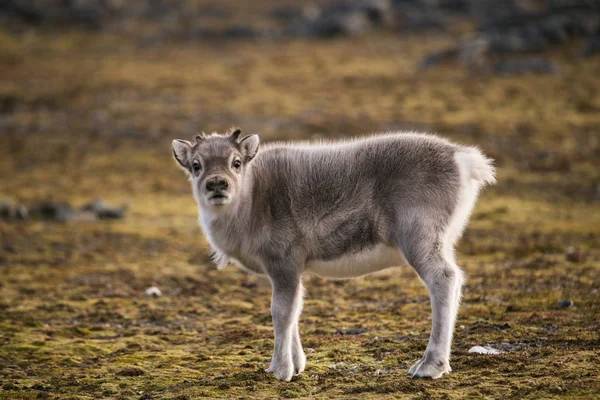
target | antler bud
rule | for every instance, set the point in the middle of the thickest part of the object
(200, 137)
(235, 135)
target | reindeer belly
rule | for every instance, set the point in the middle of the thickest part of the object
(353, 265)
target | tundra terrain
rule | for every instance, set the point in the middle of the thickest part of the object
(91, 114)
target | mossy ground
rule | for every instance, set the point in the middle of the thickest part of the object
(87, 115)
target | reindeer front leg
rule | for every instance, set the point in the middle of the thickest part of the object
(286, 306)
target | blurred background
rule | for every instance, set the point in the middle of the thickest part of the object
(106, 288)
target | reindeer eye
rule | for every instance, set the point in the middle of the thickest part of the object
(196, 166)
(237, 164)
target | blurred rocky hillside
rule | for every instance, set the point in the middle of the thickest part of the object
(482, 28)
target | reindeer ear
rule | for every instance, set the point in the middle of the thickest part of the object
(181, 152)
(249, 146)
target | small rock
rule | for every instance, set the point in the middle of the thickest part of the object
(483, 350)
(566, 303)
(351, 331)
(573, 254)
(133, 371)
(94, 205)
(58, 212)
(10, 211)
(379, 12)
(341, 18)
(382, 371)
(153, 291)
(250, 284)
(102, 211)
(134, 346)
(514, 347)
(338, 365)
(5, 210)
(21, 212)
(536, 65)
(345, 25)
(111, 213)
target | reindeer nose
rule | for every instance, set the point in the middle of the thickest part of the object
(216, 183)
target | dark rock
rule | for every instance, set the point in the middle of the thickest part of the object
(336, 25)
(88, 13)
(133, 371)
(232, 33)
(146, 396)
(250, 284)
(379, 12)
(591, 46)
(59, 212)
(6, 210)
(531, 26)
(504, 16)
(111, 213)
(566, 304)
(515, 26)
(573, 254)
(536, 65)
(513, 308)
(20, 9)
(554, 30)
(527, 26)
(342, 18)
(8, 104)
(417, 16)
(102, 211)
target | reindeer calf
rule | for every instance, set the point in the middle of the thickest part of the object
(338, 210)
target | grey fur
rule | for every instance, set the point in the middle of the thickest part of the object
(339, 210)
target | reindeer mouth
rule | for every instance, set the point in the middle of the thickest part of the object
(219, 198)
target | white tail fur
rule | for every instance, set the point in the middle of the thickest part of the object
(477, 166)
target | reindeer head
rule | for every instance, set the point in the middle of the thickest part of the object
(216, 165)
